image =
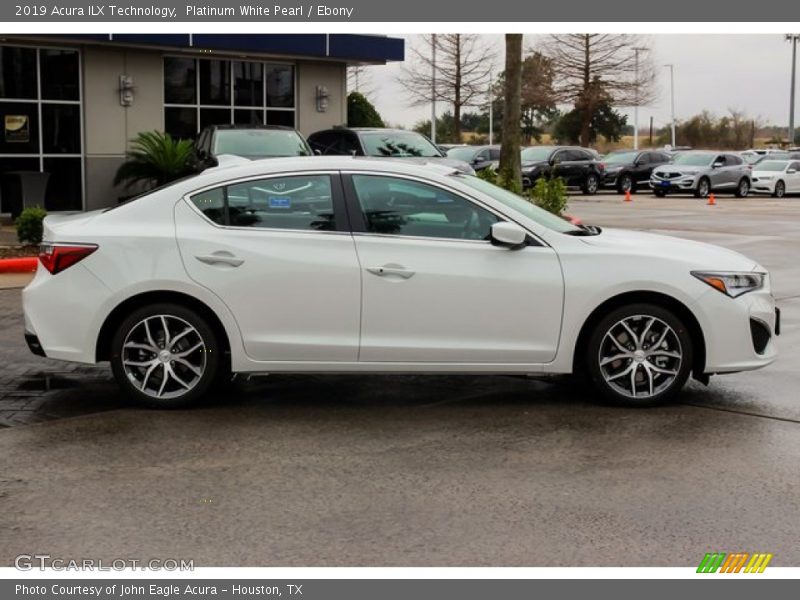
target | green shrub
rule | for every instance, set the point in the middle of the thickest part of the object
(550, 193)
(29, 225)
(155, 159)
(488, 174)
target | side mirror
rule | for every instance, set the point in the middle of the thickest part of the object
(317, 152)
(510, 235)
(791, 171)
(718, 164)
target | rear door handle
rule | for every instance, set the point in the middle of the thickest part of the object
(389, 270)
(220, 258)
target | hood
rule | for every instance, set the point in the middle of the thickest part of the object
(459, 165)
(688, 169)
(697, 255)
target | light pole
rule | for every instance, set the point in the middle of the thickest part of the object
(491, 110)
(672, 99)
(636, 51)
(793, 38)
(433, 88)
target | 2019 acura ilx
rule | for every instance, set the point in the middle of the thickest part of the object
(342, 264)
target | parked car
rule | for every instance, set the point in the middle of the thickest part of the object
(777, 177)
(383, 143)
(478, 157)
(578, 167)
(330, 264)
(626, 170)
(248, 141)
(701, 172)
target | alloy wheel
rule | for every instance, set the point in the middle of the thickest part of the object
(164, 356)
(780, 189)
(640, 356)
(591, 184)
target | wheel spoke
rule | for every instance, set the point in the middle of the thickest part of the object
(634, 337)
(666, 353)
(622, 373)
(662, 371)
(138, 346)
(176, 378)
(180, 336)
(166, 331)
(649, 374)
(186, 353)
(633, 378)
(617, 343)
(188, 365)
(139, 363)
(163, 379)
(149, 335)
(615, 358)
(646, 330)
(147, 374)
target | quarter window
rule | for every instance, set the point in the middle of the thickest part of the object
(303, 202)
(394, 206)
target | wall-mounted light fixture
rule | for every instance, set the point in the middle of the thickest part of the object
(125, 90)
(323, 97)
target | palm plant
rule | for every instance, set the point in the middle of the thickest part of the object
(155, 159)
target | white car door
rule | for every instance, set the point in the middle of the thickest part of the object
(435, 290)
(793, 179)
(276, 251)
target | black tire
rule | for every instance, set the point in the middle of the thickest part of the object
(591, 185)
(660, 193)
(780, 190)
(743, 188)
(703, 188)
(665, 384)
(172, 363)
(626, 184)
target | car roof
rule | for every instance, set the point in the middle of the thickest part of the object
(229, 126)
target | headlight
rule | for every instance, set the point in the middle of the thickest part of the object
(767, 178)
(731, 283)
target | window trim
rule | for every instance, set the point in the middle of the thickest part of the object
(41, 155)
(340, 215)
(232, 107)
(358, 220)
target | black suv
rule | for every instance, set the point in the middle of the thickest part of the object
(248, 141)
(381, 142)
(625, 170)
(578, 167)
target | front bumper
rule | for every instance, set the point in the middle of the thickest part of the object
(740, 333)
(763, 186)
(34, 345)
(677, 184)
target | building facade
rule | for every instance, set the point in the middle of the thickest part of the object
(69, 104)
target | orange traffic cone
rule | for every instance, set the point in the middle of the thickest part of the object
(711, 201)
(627, 195)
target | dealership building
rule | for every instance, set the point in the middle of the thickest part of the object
(69, 104)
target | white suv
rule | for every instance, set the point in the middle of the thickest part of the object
(340, 264)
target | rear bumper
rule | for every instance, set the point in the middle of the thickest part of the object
(33, 344)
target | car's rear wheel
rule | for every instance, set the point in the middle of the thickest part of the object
(780, 190)
(743, 188)
(639, 355)
(626, 184)
(660, 193)
(165, 356)
(703, 188)
(591, 184)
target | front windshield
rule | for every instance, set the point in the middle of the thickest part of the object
(518, 204)
(260, 143)
(464, 153)
(751, 157)
(536, 153)
(407, 143)
(695, 159)
(619, 158)
(771, 165)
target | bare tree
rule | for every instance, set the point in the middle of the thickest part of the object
(510, 168)
(463, 67)
(359, 79)
(596, 68)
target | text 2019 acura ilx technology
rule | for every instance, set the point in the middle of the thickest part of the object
(341, 264)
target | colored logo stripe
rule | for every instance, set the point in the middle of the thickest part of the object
(734, 562)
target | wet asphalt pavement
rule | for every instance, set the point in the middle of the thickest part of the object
(418, 471)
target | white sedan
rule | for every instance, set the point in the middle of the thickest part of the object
(347, 265)
(777, 177)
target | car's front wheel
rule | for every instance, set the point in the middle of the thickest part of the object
(165, 356)
(626, 184)
(703, 188)
(780, 190)
(639, 355)
(660, 193)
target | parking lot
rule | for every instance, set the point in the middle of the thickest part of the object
(418, 471)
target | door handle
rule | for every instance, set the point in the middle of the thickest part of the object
(220, 258)
(387, 270)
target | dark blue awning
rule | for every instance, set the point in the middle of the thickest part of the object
(346, 47)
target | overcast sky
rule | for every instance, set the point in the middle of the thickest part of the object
(714, 72)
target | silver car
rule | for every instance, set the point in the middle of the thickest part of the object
(701, 173)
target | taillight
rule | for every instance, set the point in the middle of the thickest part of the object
(57, 257)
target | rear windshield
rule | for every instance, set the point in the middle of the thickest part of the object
(385, 143)
(260, 143)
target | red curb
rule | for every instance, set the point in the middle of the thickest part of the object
(26, 264)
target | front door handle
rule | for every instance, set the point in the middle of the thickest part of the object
(389, 270)
(220, 258)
